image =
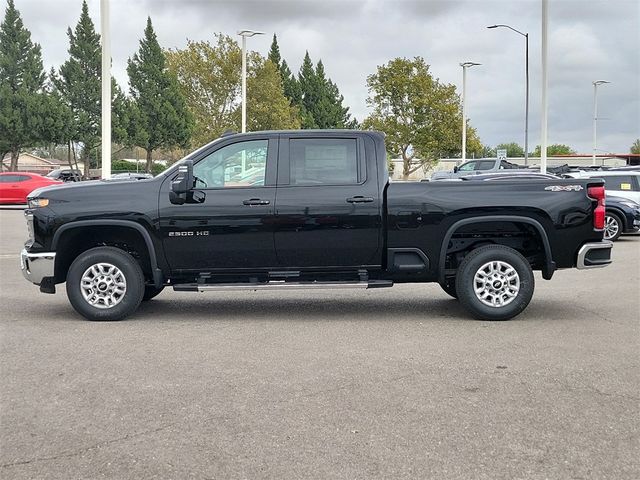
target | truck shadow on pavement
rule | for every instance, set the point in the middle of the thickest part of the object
(327, 308)
(205, 307)
(322, 307)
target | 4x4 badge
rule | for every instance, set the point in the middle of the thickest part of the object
(564, 188)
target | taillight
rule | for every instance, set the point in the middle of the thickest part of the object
(597, 193)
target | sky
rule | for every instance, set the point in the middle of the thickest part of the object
(588, 40)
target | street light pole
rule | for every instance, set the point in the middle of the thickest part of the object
(526, 108)
(106, 89)
(545, 85)
(595, 116)
(464, 66)
(244, 34)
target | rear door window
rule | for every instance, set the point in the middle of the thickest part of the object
(485, 165)
(621, 182)
(324, 161)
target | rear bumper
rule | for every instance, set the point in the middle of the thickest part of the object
(594, 255)
(37, 266)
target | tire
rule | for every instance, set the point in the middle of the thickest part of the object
(449, 287)
(512, 283)
(105, 284)
(613, 226)
(151, 291)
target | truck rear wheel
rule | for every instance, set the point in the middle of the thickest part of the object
(494, 282)
(105, 283)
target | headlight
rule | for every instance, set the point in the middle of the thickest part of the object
(38, 202)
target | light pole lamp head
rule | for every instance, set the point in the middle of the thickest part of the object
(469, 64)
(501, 25)
(249, 33)
(600, 82)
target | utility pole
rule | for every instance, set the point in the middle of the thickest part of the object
(106, 88)
(545, 84)
(595, 116)
(464, 66)
(244, 34)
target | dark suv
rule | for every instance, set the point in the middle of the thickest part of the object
(65, 175)
(622, 216)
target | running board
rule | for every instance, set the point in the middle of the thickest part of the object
(279, 285)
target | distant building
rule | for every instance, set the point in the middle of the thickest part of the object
(28, 162)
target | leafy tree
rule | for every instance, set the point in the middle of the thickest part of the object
(79, 84)
(555, 149)
(420, 116)
(209, 77)
(635, 148)
(267, 106)
(488, 151)
(159, 115)
(28, 115)
(513, 149)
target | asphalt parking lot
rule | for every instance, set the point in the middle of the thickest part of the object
(391, 383)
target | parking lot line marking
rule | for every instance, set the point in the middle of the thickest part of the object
(8, 255)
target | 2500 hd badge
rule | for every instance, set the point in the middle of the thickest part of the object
(198, 233)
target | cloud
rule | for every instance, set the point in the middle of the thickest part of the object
(589, 40)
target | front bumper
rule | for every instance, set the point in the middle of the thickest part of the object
(37, 266)
(594, 255)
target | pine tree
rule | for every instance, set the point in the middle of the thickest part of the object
(274, 52)
(79, 83)
(290, 85)
(309, 92)
(160, 117)
(321, 100)
(28, 115)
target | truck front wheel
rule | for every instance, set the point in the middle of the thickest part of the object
(105, 283)
(494, 282)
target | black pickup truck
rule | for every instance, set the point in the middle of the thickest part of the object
(307, 209)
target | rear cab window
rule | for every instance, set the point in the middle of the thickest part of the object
(324, 161)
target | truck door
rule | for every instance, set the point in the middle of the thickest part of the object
(232, 227)
(328, 205)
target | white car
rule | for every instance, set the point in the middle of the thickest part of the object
(621, 183)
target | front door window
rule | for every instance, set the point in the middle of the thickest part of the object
(237, 165)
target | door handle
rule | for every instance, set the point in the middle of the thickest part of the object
(360, 199)
(255, 201)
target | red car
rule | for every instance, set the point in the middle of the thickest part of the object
(15, 186)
